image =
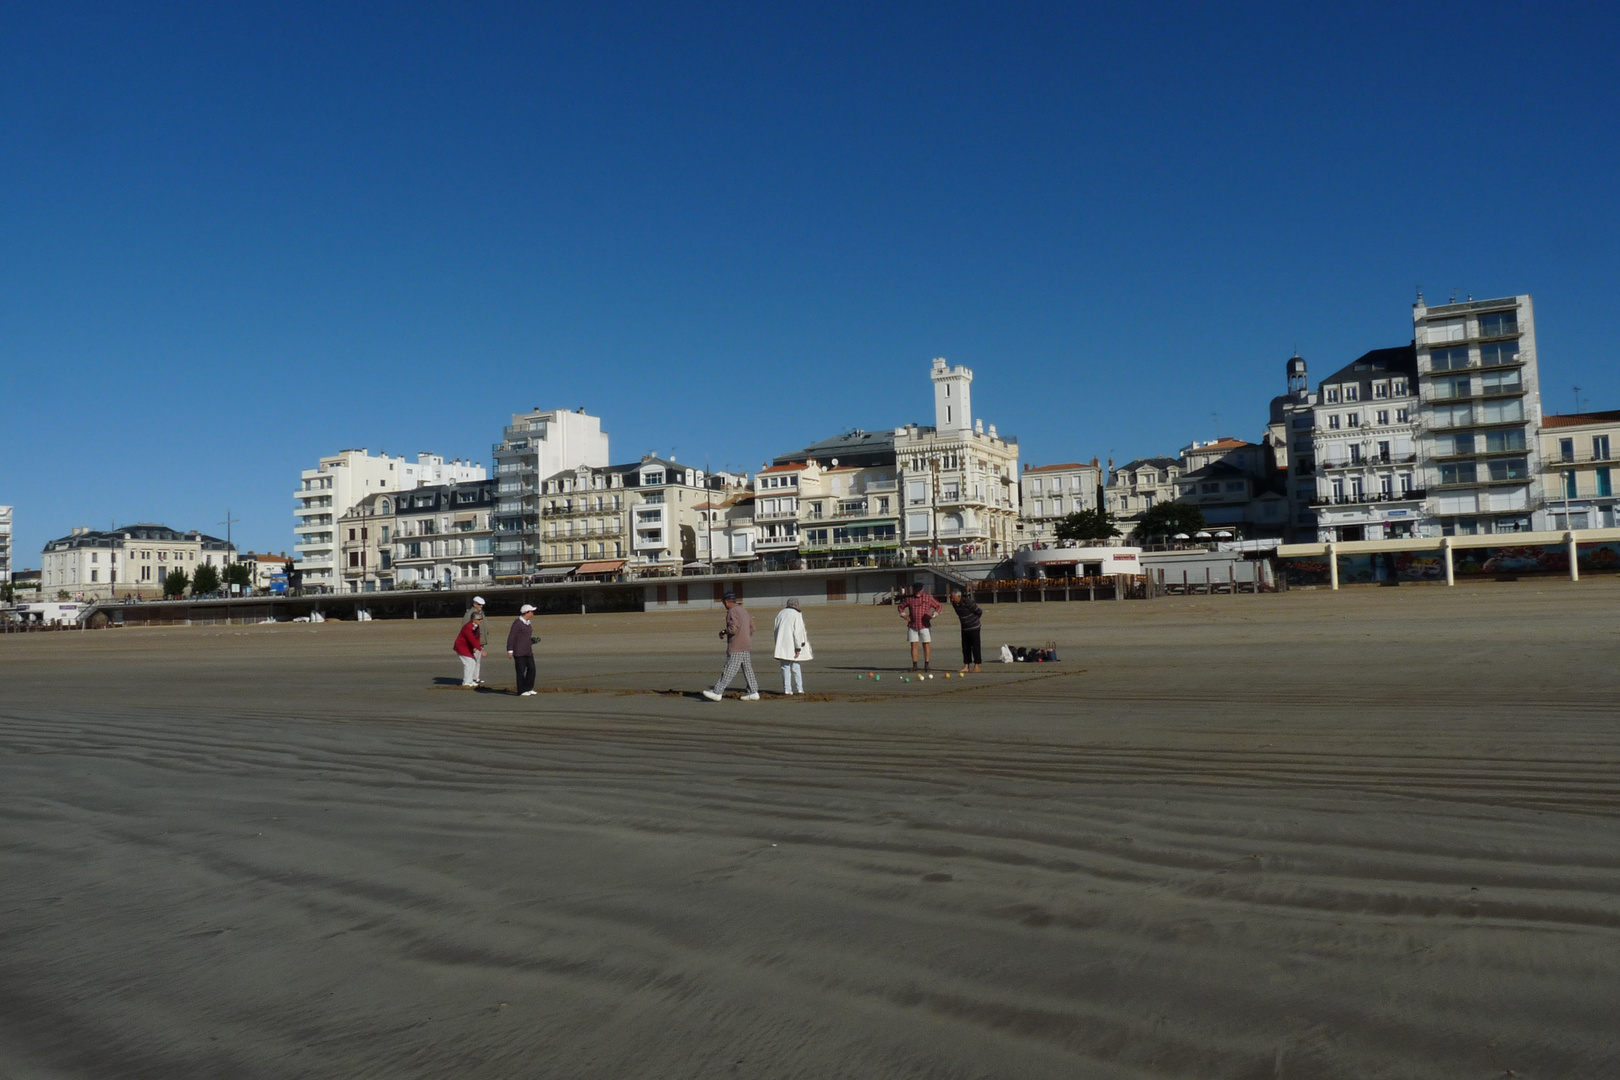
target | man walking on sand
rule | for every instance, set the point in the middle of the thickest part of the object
(970, 614)
(520, 647)
(919, 610)
(739, 637)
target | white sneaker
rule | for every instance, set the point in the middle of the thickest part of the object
(528, 693)
(751, 697)
(787, 693)
(711, 695)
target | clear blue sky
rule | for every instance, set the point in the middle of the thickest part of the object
(234, 238)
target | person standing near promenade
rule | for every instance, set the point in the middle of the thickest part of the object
(969, 613)
(476, 614)
(739, 637)
(919, 610)
(520, 647)
(792, 645)
(470, 647)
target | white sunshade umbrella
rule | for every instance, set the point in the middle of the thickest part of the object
(1201, 535)
(1181, 536)
(1223, 535)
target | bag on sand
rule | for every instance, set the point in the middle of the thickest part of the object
(1006, 655)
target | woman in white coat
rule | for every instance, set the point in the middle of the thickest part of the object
(792, 645)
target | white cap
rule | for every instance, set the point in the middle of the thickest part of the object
(478, 599)
(525, 609)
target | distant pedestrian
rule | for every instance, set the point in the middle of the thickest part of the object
(919, 610)
(520, 647)
(739, 638)
(470, 647)
(969, 613)
(792, 645)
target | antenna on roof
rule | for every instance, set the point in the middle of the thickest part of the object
(1577, 398)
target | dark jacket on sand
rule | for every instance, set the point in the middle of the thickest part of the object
(968, 612)
(519, 639)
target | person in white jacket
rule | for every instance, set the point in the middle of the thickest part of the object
(792, 645)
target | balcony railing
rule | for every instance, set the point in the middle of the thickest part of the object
(1367, 497)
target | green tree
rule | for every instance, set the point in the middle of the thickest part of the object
(205, 580)
(1170, 518)
(175, 582)
(1087, 525)
(238, 574)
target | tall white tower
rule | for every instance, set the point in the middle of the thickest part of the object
(953, 398)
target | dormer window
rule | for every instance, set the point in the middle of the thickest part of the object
(1331, 394)
(652, 479)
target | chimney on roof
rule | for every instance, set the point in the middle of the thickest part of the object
(1026, 466)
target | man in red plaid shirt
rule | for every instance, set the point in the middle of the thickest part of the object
(919, 610)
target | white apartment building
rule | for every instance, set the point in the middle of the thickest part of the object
(133, 560)
(957, 479)
(1050, 493)
(1137, 486)
(1352, 450)
(643, 516)
(5, 544)
(337, 484)
(536, 446)
(1579, 469)
(1479, 411)
(849, 515)
(442, 536)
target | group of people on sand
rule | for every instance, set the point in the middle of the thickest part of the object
(520, 642)
(791, 645)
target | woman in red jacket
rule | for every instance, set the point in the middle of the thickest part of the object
(470, 647)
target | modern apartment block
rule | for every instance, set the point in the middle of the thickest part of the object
(1353, 449)
(132, 560)
(337, 484)
(536, 446)
(1050, 493)
(1478, 413)
(1579, 469)
(5, 544)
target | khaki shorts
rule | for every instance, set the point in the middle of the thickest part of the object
(919, 635)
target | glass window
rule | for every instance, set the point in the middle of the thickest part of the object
(1499, 324)
(1502, 412)
(1499, 352)
(1354, 419)
(1380, 390)
(1509, 469)
(1352, 393)
(1383, 417)
(1331, 394)
(1453, 388)
(1399, 387)
(1403, 416)
(1566, 449)
(1448, 359)
(1463, 472)
(1605, 485)
(1569, 484)
(1355, 454)
(1333, 422)
(1600, 448)
(1498, 441)
(1502, 382)
(1236, 485)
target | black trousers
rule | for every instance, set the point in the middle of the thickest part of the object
(525, 672)
(971, 653)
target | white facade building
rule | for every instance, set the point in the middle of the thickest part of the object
(1352, 450)
(1479, 412)
(93, 564)
(534, 446)
(1050, 493)
(337, 483)
(1578, 455)
(957, 479)
(5, 544)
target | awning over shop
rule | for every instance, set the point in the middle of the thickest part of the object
(606, 567)
(465, 517)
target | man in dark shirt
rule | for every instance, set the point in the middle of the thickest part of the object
(969, 613)
(520, 647)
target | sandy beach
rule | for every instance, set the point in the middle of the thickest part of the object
(1366, 834)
